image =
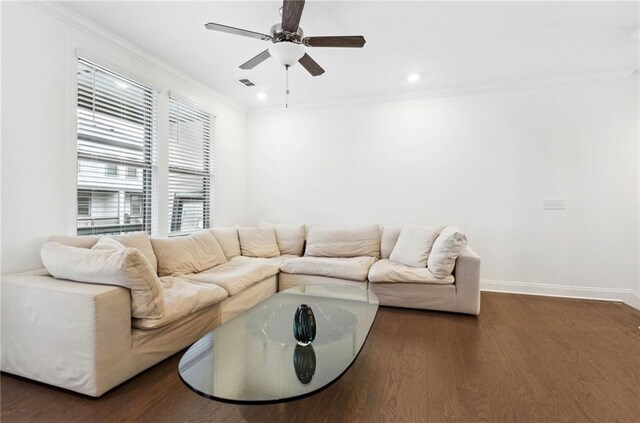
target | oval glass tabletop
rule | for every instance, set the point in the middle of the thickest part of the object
(255, 358)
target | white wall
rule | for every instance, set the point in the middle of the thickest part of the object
(38, 127)
(484, 162)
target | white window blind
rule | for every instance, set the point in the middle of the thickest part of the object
(116, 152)
(190, 168)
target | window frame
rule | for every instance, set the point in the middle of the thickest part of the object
(149, 115)
(207, 173)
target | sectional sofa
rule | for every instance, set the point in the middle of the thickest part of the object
(106, 308)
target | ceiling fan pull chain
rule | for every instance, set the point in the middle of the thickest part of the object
(286, 97)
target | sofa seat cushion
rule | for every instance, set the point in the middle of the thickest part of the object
(236, 275)
(182, 297)
(351, 268)
(389, 271)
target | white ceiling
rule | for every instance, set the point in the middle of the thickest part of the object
(450, 45)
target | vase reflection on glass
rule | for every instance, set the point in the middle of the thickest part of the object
(304, 325)
(304, 363)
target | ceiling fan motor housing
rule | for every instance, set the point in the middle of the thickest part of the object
(277, 34)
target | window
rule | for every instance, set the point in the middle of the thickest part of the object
(132, 172)
(84, 203)
(134, 204)
(190, 170)
(111, 169)
(116, 127)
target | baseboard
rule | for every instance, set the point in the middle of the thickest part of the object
(627, 296)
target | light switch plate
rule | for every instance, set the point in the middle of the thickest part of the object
(553, 204)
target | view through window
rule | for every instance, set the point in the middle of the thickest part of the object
(116, 142)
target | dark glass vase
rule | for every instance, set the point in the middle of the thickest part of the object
(304, 325)
(304, 363)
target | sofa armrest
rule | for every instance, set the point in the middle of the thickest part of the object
(68, 334)
(467, 281)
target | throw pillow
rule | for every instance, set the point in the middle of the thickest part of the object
(446, 249)
(414, 245)
(109, 264)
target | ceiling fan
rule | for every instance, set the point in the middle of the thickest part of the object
(289, 41)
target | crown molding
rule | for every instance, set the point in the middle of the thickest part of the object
(118, 43)
(455, 91)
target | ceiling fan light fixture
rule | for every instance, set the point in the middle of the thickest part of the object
(286, 53)
(413, 77)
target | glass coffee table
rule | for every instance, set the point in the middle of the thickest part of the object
(255, 358)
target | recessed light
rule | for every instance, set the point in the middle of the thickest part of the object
(413, 77)
(261, 95)
(121, 84)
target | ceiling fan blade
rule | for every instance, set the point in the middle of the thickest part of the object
(252, 63)
(236, 31)
(356, 41)
(309, 64)
(291, 14)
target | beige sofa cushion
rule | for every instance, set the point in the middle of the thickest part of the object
(79, 241)
(343, 242)
(228, 240)
(414, 245)
(264, 260)
(258, 242)
(139, 240)
(389, 271)
(182, 297)
(236, 275)
(446, 249)
(125, 267)
(390, 235)
(351, 268)
(187, 254)
(142, 242)
(290, 238)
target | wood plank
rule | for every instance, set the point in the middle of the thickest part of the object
(525, 358)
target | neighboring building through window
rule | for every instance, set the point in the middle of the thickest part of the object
(111, 169)
(132, 172)
(116, 128)
(190, 168)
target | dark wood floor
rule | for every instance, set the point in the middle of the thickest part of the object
(524, 359)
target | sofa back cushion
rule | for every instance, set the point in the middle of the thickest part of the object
(343, 242)
(390, 236)
(109, 263)
(290, 238)
(139, 240)
(446, 249)
(258, 242)
(414, 245)
(228, 240)
(182, 255)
